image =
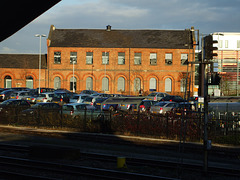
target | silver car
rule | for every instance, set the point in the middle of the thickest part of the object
(78, 98)
(156, 96)
(45, 97)
(20, 95)
(163, 107)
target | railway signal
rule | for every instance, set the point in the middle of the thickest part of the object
(209, 47)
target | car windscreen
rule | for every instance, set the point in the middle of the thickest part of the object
(152, 94)
(41, 95)
(67, 108)
(160, 104)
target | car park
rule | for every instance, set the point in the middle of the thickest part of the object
(157, 96)
(13, 107)
(78, 98)
(45, 97)
(163, 107)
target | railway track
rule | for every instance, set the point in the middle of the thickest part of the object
(81, 170)
(62, 170)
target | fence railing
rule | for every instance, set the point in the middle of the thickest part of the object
(183, 125)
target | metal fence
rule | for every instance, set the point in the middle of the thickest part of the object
(223, 129)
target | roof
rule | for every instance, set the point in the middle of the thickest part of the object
(101, 38)
(22, 61)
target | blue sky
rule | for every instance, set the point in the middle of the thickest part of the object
(206, 15)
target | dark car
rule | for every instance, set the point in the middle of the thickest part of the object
(145, 105)
(98, 102)
(173, 98)
(13, 107)
(4, 95)
(88, 92)
(42, 108)
(61, 97)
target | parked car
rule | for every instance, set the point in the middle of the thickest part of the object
(13, 107)
(88, 100)
(20, 95)
(156, 96)
(163, 107)
(32, 99)
(100, 95)
(88, 92)
(45, 97)
(42, 108)
(173, 98)
(146, 104)
(98, 102)
(78, 98)
(4, 95)
(76, 110)
(61, 97)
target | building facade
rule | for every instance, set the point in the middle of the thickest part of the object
(228, 61)
(107, 60)
(119, 61)
(22, 70)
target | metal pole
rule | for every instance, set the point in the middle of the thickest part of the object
(39, 77)
(73, 77)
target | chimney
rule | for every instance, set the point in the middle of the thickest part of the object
(108, 28)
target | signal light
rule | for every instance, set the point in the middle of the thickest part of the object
(209, 47)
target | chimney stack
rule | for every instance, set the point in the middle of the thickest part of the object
(108, 28)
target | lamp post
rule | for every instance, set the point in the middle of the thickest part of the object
(40, 36)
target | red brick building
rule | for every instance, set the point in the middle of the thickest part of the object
(113, 61)
(117, 61)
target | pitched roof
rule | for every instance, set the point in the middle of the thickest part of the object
(24, 61)
(163, 39)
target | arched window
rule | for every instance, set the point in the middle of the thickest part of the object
(121, 84)
(89, 83)
(73, 84)
(153, 84)
(7, 82)
(183, 85)
(137, 84)
(57, 83)
(168, 85)
(29, 82)
(105, 84)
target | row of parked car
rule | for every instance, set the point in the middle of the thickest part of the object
(86, 102)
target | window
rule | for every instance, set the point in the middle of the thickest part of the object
(89, 57)
(137, 84)
(73, 84)
(183, 85)
(121, 58)
(73, 57)
(137, 58)
(184, 59)
(168, 85)
(7, 82)
(220, 43)
(153, 58)
(29, 82)
(57, 57)
(89, 83)
(121, 84)
(105, 58)
(238, 43)
(226, 43)
(105, 84)
(168, 59)
(153, 84)
(57, 83)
